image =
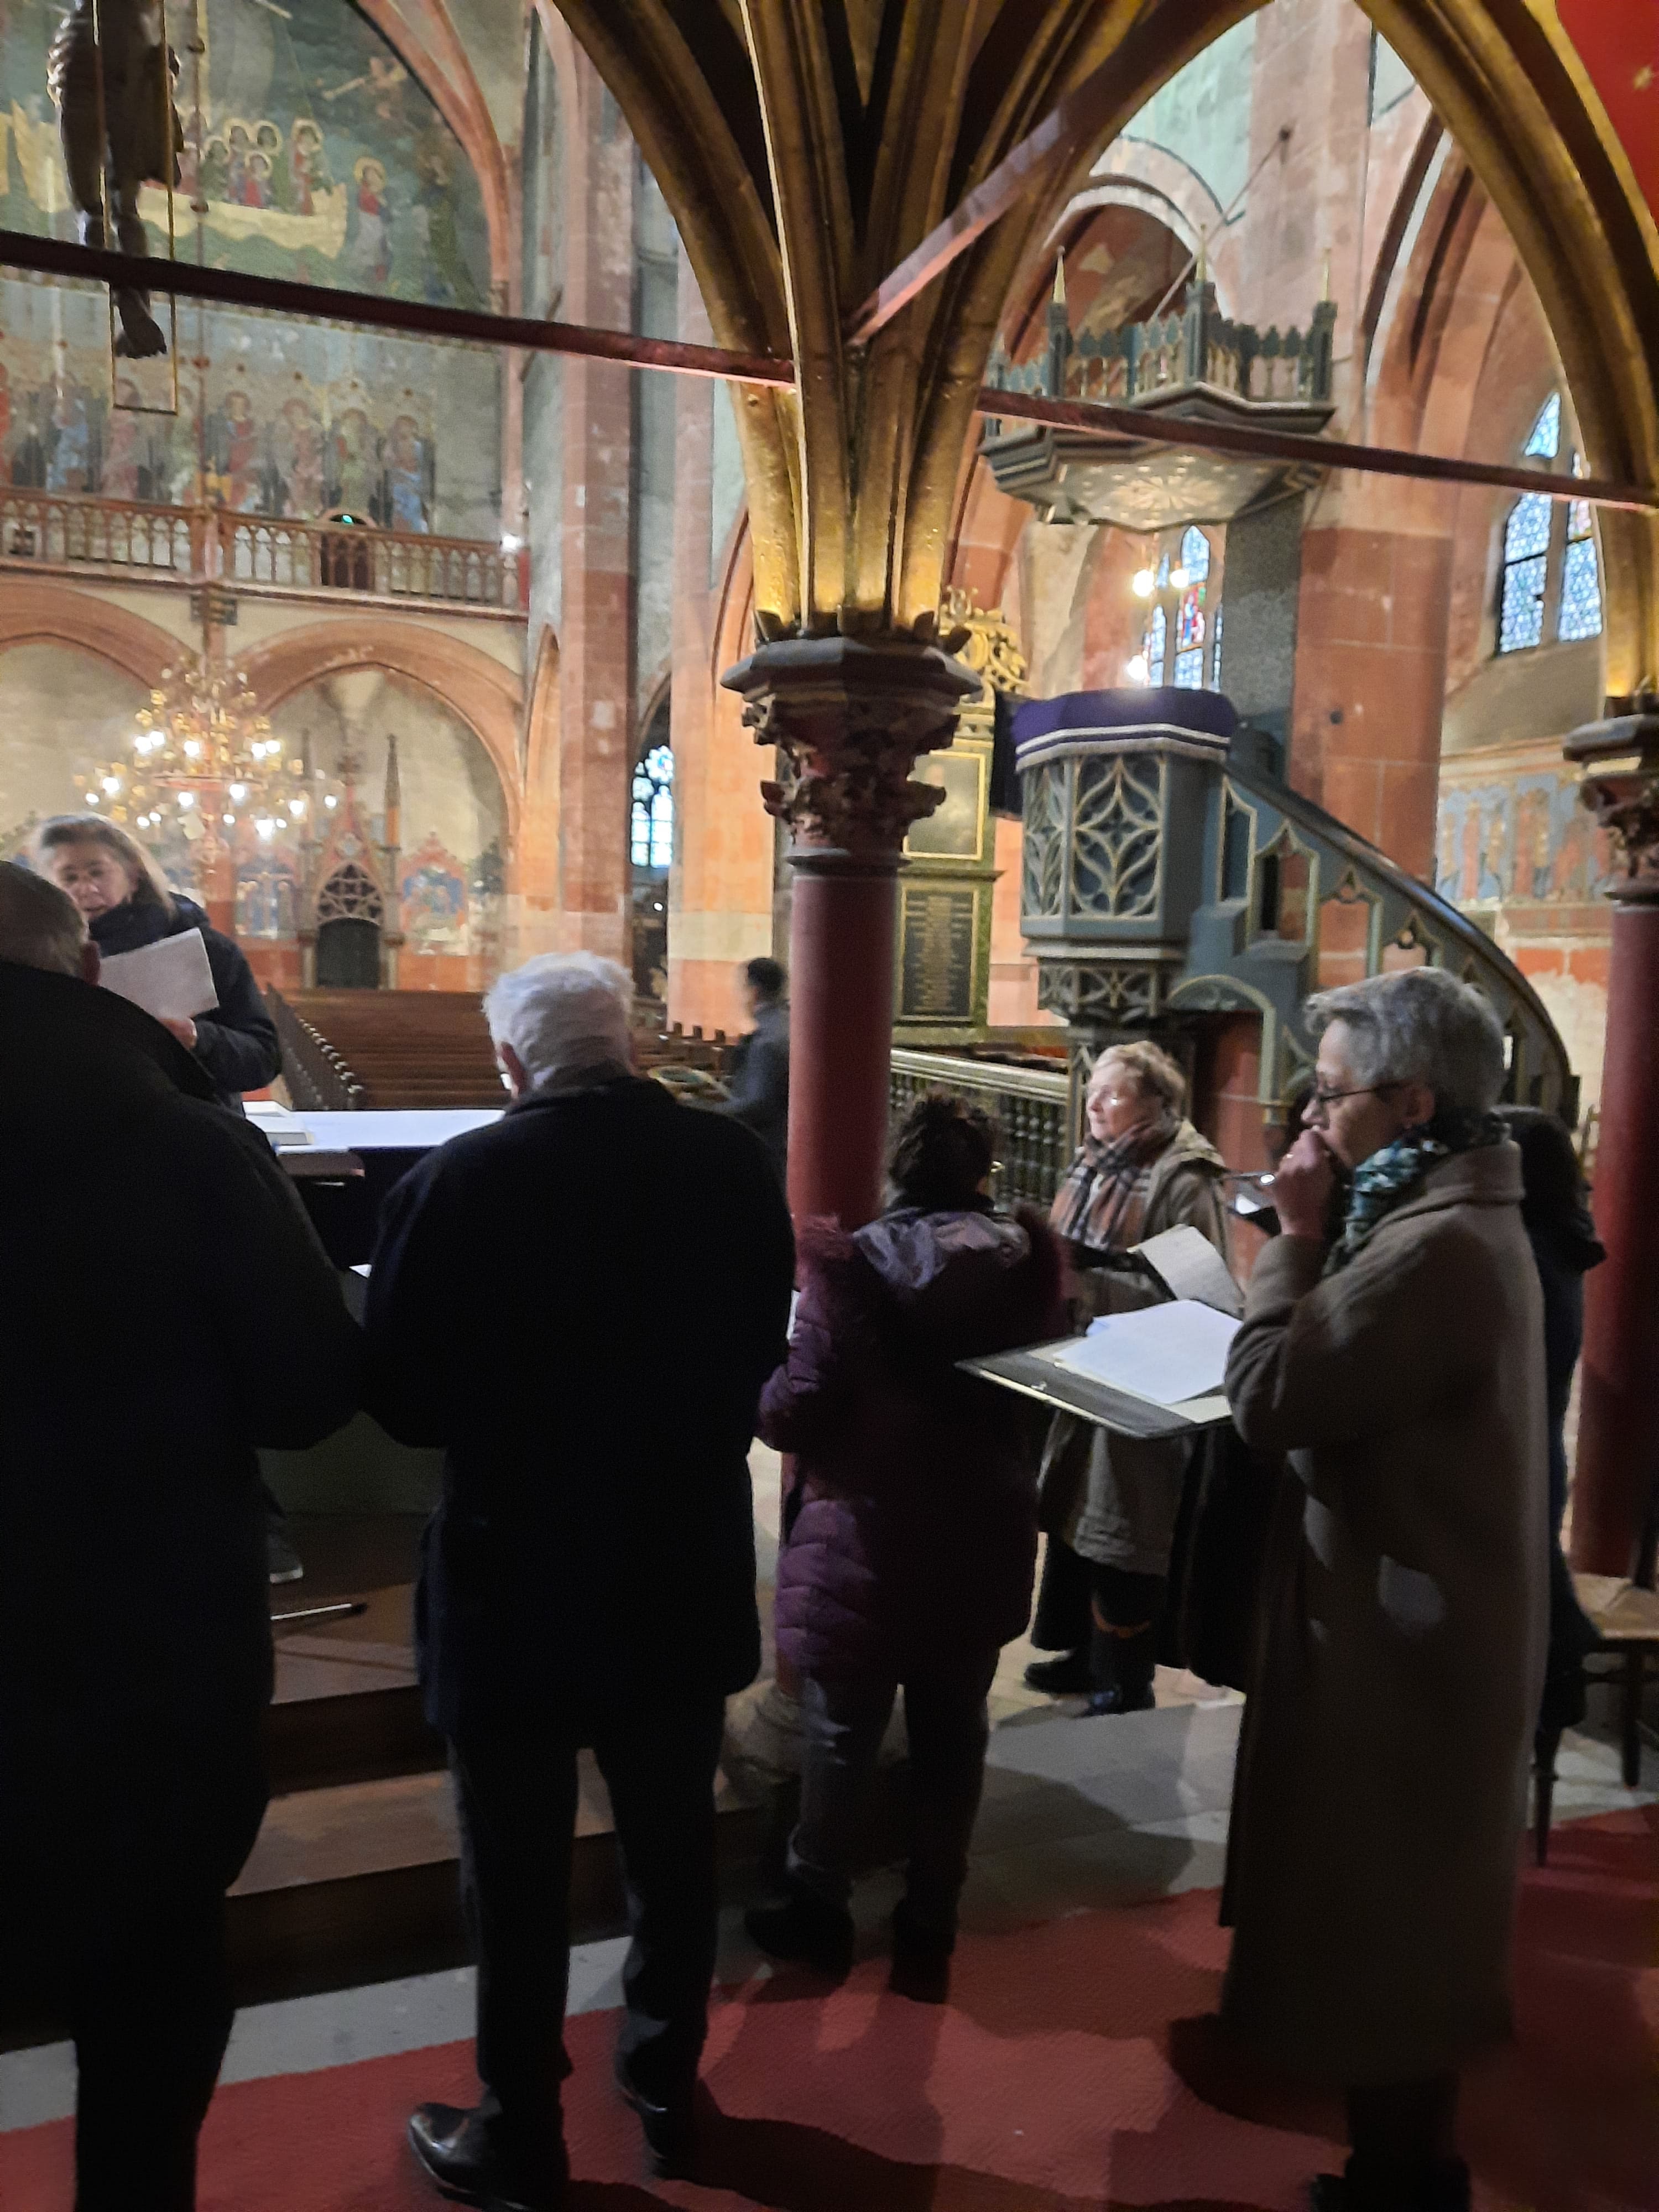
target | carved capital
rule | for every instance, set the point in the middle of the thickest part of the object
(850, 717)
(1620, 760)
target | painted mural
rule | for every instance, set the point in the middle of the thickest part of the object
(433, 892)
(322, 158)
(1521, 836)
(300, 420)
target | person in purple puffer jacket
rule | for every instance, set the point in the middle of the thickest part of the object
(911, 1530)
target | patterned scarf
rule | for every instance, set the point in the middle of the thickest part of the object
(1101, 1200)
(1384, 1180)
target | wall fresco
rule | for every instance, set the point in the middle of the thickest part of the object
(300, 420)
(1519, 837)
(322, 158)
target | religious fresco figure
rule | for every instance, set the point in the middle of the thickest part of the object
(119, 478)
(355, 451)
(240, 145)
(297, 456)
(369, 249)
(1468, 879)
(1445, 867)
(70, 466)
(1495, 864)
(1531, 875)
(257, 190)
(307, 165)
(1568, 878)
(111, 74)
(407, 473)
(215, 170)
(233, 456)
(434, 903)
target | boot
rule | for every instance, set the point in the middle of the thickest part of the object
(800, 1925)
(1122, 1668)
(1067, 1675)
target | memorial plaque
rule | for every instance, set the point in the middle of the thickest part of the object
(956, 830)
(936, 982)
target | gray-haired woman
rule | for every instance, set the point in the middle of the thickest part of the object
(1109, 1504)
(1381, 1775)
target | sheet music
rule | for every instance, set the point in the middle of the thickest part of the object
(1188, 1266)
(1170, 1354)
(170, 979)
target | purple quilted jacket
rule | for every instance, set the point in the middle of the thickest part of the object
(912, 1524)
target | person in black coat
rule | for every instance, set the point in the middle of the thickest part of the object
(580, 1303)
(109, 876)
(165, 1308)
(757, 1078)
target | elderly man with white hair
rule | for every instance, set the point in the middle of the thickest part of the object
(165, 1308)
(1398, 1365)
(580, 1305)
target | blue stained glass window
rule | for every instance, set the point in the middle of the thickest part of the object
(1158, 633)
(1189, 670)
(1526, 573)
(1581, 578)
(1189, 622)
(651, 842)
(1164, 573)
(1215, 650)
(1527, 530)
(1195, 555)
(1545, 442)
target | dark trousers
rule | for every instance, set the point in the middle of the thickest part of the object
(516, 1791)
(1081, 1601)
(119, 1930)
(843, 1720)
(1403, 2158)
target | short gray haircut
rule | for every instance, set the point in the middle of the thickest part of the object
(41, 927)
(563, 1012)
(1419, 1025)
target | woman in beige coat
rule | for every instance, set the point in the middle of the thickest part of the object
(1109, 1502)
(1383, 1768)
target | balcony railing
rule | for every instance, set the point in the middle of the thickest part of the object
(1031, 1107)
(255, 553)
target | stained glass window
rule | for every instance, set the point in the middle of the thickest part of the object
(1581, 579)
(1189, 622)
(1164, 573)
(1189, 670)
(1526, 567)
(1545, 442)
(652, 841)
(1215, 649)
(1157, 635)
(1195, 555)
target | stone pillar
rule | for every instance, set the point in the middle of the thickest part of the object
(850, 715)
(1618, 1462)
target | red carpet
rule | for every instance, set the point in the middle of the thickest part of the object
(1072, 2069)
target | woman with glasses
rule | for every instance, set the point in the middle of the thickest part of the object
(1109, 1504)
(1381, 1793)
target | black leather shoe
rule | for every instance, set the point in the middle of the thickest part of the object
(461, 2152)
(921, 1960)
(1067, 1676)
(670, 2129)
(802, 1927)
(1121, 1698)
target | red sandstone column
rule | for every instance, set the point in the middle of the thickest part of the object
(850, 715)
(1618, 1461)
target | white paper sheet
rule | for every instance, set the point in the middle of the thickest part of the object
(1169, 1353)
(1189, 1266)
(170, 979)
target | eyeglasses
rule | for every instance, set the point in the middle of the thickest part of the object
(1321, 1102)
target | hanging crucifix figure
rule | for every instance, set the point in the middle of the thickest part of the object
(118, 134)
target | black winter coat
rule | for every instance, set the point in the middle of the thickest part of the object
(236, 1043)
(580, 1303)
(757, 1082)
(165, 1308)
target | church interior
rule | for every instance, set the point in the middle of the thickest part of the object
(1058, 524)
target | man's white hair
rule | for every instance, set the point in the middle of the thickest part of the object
(563, 1012)
(41, 927)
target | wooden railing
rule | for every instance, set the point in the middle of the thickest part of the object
(1030, 1106)
(255, 552)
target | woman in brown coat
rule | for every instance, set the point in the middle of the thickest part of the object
(1109, 1504)
(1382, 1769)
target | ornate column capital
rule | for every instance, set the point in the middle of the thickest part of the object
(1619, 756)
(851, 715)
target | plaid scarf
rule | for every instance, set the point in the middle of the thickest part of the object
(1390, 1176)
(1101, 1200)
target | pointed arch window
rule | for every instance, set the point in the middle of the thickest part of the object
(1195, 555)
(651, 841)
(1549, 579)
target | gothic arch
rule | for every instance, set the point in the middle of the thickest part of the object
(35, 612)
(484, 695)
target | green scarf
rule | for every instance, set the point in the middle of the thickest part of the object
(1390, 1177)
